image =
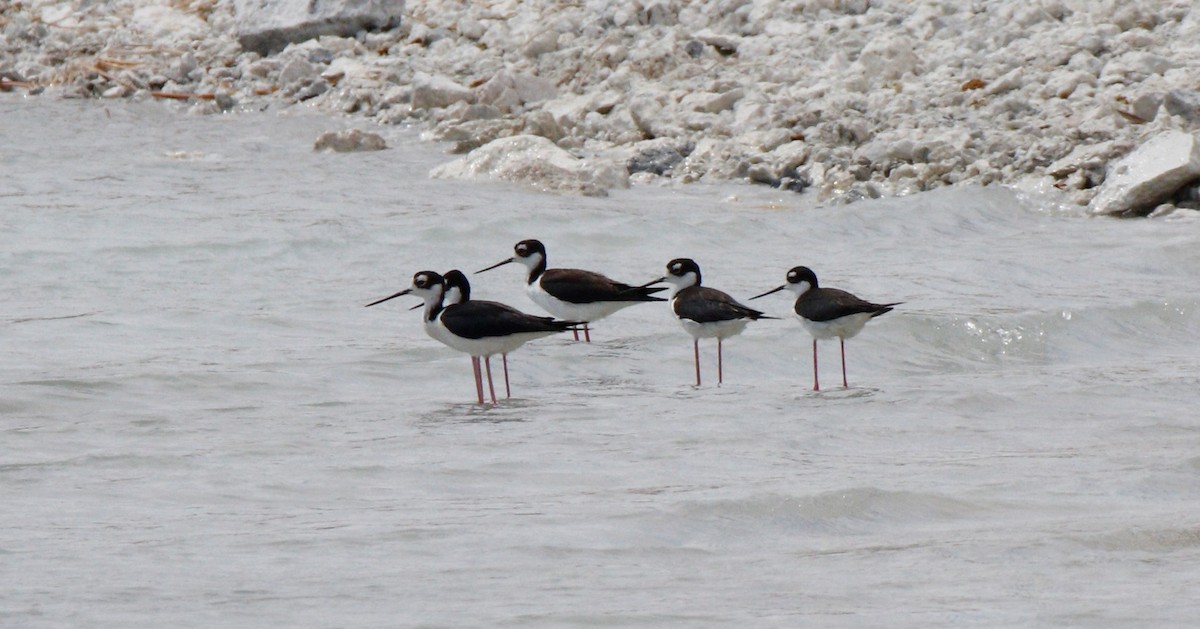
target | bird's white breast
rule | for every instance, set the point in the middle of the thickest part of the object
(487, 346)
(714, 329)
(571, 311)
(842, 327)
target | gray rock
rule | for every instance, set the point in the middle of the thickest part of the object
(1184, 103)
(470, 135)
(1146, 106)
(267, 26)
(510, 91)
(349, 141)
(1149, 176)
(658, 156)
(297, 70)
(224, 101)
(543, 123)
(433, 91)
(320, 55)
(311, 90)
(1189, 195)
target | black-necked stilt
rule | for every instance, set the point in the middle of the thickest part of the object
(481, 329)
(828, 312)
(458, 290)
(574, 294)
(704, 312)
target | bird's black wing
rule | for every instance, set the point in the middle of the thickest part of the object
(704, 305)
(827, 304)
(577, 286)
(483, 319)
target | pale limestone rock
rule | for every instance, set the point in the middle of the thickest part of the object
(536, 162)
(570, 109)
(711, 103)
(432, 91)
(1149, 176)
(888, 58)
(166, 25)
(510, 91)
(1184, 103)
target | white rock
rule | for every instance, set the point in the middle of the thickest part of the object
(1134, 66)
(432, 91)
(1012, 80)
(353, 71)
(1146, 106)
(652, 113)
(470, 27)
(1082, 157)
(296, 70)
(511, 90)
(711, 103)
(764, 141)
(1183, 103)
(542, 123)
(887, 58)
(542, 43)
(536, 162)
(1149, 175)
(854, 78)
(167, 25)
(63, 15)
(575, 107)
(791, 155)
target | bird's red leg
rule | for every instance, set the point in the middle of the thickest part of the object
(843, 343)
(720, 370)
(487, 361)
(478, 377)
(816, 380)
(507, 390)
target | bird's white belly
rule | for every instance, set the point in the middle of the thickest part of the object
(488, 346)
(842, 327)
(715, 329)
(570, 311)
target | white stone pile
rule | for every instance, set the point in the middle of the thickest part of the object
(850, 98)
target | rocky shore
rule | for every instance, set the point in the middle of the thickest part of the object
(846, 99)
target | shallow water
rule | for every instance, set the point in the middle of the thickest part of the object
(203, 426)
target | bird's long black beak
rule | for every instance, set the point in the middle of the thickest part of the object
(403, 292)
(646, 285)
(500, 263)
(417, 306)
(773, 290)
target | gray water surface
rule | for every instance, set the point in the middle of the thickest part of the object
(200, 424)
